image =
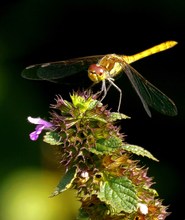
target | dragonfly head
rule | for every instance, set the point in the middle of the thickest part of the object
(97, 73)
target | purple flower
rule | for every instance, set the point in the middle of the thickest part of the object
(41, 125)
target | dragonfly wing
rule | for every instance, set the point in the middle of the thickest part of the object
(31, 72)
(149, 94)
(57, 70)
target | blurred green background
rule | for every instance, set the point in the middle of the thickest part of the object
(34, 31)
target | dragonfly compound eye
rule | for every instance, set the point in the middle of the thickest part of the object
(96, 73)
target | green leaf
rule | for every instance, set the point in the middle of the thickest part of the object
(138, 151)
(107, 145)
(120, 194)
(118, 116)
(95, 117)
(151, 191)
(82, 103)
(66, 182)
(93, 104)
(52, 138)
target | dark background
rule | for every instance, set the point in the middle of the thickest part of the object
(34, 31)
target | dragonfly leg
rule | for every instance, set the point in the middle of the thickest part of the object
(103, 89)
(119, 90)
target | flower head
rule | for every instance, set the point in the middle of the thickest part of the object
(41, 125)
(97, 160)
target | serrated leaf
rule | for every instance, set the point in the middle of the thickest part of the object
(151, 191)
(95, 117)
(92, 104)
(120, 194)
(118, 116)
(82, 103)
(65, 182)
(52, 138)
(138, 151)
(107, 145)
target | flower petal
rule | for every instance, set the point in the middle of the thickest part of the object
(41, 125)
(40, 121)
(34, 136)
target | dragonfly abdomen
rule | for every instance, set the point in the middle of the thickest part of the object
(153, 50)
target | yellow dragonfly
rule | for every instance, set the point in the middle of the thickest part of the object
(104, 69)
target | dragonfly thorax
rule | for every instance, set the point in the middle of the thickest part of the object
(113, 63)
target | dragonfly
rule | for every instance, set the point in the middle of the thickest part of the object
(104, 69)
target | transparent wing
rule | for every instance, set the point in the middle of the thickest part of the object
(149, 94)
(58, 70)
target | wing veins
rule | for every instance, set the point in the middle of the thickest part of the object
(58, 69)
(149, 94)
